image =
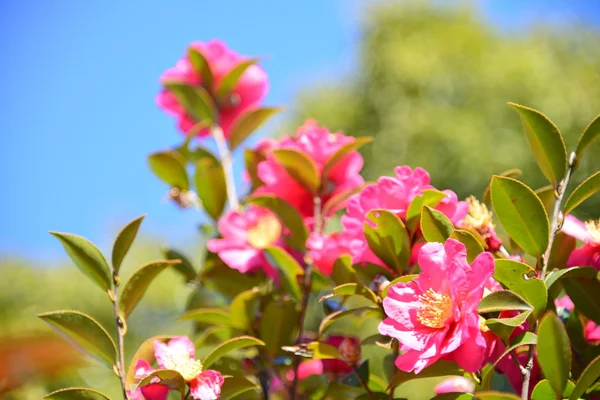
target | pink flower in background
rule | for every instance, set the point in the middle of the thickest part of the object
(435, 316)
(591, 331)
(451, 207)
(324, 250)
(455, 384)
(244, 235)
(332, 368)
(247, 94)
(318, 144)
(587, 255)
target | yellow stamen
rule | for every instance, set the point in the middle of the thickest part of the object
(479, 218)
(182, 363)
(265, 233)
(435, 309)
(593, 228)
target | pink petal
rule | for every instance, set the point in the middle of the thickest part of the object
(207, 385)
(142, 369)
(586, 256)
(575, 228)
(155, 392)
(182, 344)
(160, 352)
(455, 384)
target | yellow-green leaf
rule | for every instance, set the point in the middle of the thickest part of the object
(388, 239)
(300, 167)
(472, 243)
(584, 191)
(587, 378)
(201, 67)
(169, 167)
(554, 352)
(435, 225)
(591, 133)
(235, 386)
(196, 101)
(211, 316)
(521, 279)
(342, 152)
(230, 80)
(210, 184)
(281, 259)
(229, 346)
(166, 377)
(124, 241)
(247, 123)
(76, 393)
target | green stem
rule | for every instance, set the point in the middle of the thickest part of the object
(227, 162)
(120, 366)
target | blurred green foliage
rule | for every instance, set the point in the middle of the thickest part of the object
(432, 83)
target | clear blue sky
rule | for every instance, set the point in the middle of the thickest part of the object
(79, 80)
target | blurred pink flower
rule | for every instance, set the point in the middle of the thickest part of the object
(247, 94)
(325, 249)
(587, 255)
(591, 331)
(331, 368)
(435, 316)
(455, 384)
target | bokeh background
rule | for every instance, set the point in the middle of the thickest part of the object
(429, 79)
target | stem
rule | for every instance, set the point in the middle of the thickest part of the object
(227, 162)
(527, 374)
(364, 384)
(396, 349)
(120, 367)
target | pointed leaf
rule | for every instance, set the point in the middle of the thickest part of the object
(343, 271)
(323, 351)
(300, 167)
(230, 80)
(574, 272)
(84, 332)
(554, 352)
(87, 258)
(521, 279)
(587, 378)
(339, 200)
(543, 390)
(169, 167)
(76, 393)
(591, 133)
(388, 239)
(201, 67)
(547, 196)
(514, 173)
(234, 386)
(211, 316)
(196, 101)
(278, 325)
(364, 312)
(583, 192)
(503, 300)
(229, 346)
(584, 294)
(430, 197)
(251, 159)
(136, 286)
(521, 213)
(247, 123)
(281, 259)
(435, 225)
(353, 289)
(210, 184)
(342, 152)
(545, 141)
(242, 309)
(185, 267)
(471, 242)
(166, 377)
(124, 241)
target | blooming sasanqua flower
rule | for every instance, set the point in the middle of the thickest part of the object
(479, 220)
(247, 94)
(435, 316)
(178, 355)
(587, 255)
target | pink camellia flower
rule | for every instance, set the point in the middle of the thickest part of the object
(455, 384)
(324, 250)
(179, 355)
(245, 235)
(250, 89)
(318, 145)
(587, 255)
(435, 316)
(332, 368)
(479, 219)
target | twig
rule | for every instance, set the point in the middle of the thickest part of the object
(364, 384)
(227, 162)
(120, 367)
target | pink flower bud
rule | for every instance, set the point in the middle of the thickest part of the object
(350, 350)
(455, 384)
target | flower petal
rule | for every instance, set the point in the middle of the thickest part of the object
(207, 385)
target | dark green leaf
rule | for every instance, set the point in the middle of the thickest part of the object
(388, 239)
(435, 225)
(543, 390)
(521, 279)
(247, 123)
(234, 386)
(430, 197)
(514, 173)
(554, 352)
(584, 294)
(211, 316)
(587, 378)
(363, 312)
(524, 339)
(196, 101)
(210, 184)
(166, 377)
(185, 267)
(87, 258)
(229, 346)
(201, 67)
(574, 272)
(84, 332)
(583, 192)
(591, 133)
(230, 80)
(281, 259)
(503, 300)
(353, 289)
(279, 325)
(521, 213)
(76, 393)
(136, 286)
(439, 368)
(471, 242)
(545, 141)
(343, 271)
(242, 308)
(169, 167)
(124, 241)
(300, 167)
(342, 152)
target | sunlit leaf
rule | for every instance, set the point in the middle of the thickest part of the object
(514, 173)
(521, 279)
(230, 80)
(362, 312)
(554, 352)
(353, 289)
(583, 192)
(144, 352)
(430, 197)
(211, 316)
(342, 270)
(229, 346)
(300, 167)
(196, 101)
(435, 225)
(169, 167)
(323, 351)
(405, 278)
(342, 152)
(471, 242)
(76, 393)
(524, 339)
(439, 368)
(281, 259)
(591, 133)
(242, 308)
(235, 386)
(124, 241)
(166, 377)
(587, 378)
(201, 67)
(388, 239)
(249, 122)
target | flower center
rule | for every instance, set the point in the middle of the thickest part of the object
(265, 233)
(593, 228)
(435, 309)
(182, 363)
(479, 217)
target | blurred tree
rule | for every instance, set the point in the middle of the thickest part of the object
(431, 86)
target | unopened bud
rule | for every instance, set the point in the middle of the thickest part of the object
(350, 350)
(455, 384)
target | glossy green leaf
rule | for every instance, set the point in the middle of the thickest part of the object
(388, 239)
(353, 289)
(514, 173)
(471, 242)
(210, 184)
(229, 346)
(545, 141)
(76, 393)
(439, 368)
(196, 101)
(136, 286)
(288, 215)
(562, 247)
(547, 196)
(320, 350)
(211, 316)
(201, 67)
(278, 325)
(573, 272)
(521, 279)
(363, 312)
(87, 258)
(166, 377)
(235, 386)
(435, 225)
(230, 80)
(587, 378)
(124, 241)
(543, 390)
(300, 167)
(584, 294)
(583, 192)
(503, 300)
(554, 352)
(342, 270)
(84, 332)
(343, 151)
(591, 133)
(169, 167)
(430, 197)
(185, 267)
(405, 278)
(521, 213)
(281, 259)
(242, 308)
(249, 122)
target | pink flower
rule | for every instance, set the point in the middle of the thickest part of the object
(587, 255)
(435, 316)
(479, 219)
(331, 368)
(324, 250)
(455, 384)
(318, 144)
(245, 235)
(591, 331)
(247, 93)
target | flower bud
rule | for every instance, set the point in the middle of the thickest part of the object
(350, 350)
(455, 384)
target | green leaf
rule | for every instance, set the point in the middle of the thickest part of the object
(435, 225)
(514, 173)
(591, 133)
(342, 270)
(342, 152)
(547, 196)
(234, 386)
(430, 197)
(554, 352)
(169, 167)
(251, 159)
(574, 272)
(490, 395)
(353, 289)
(196, 101)
(300, 167)
(405, 278)
(281, 259)
(505, 300)
(166, 377)
(543, 390)
(84, 332)
(185, 267)
(352, 379)
(229, 346)
(242, 309)
(76, 393)
(471, 242)
(439, 368)
(201, 67)
(87, 258)
(521, 279)
(521, 213)
(323, 351)
(230, 80)
(211, 316)
(210, 184)
(278, 325)
(339, 200)
(583, 192)
(124, 241)
(562, 247)
(453, 396)
(364, 312)
(584, 294)
(388, 239)
(247, 123)
(136, 286)
(288, 215)
(587, 378)
(545, 141)
(144, 352)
